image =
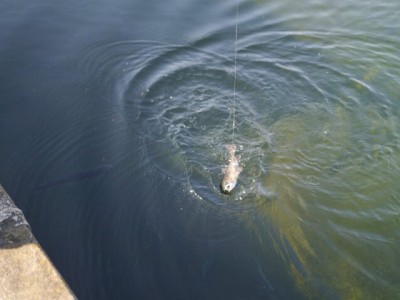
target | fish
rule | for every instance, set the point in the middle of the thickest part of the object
(231, 173)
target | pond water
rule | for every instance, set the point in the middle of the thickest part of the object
(113, 121)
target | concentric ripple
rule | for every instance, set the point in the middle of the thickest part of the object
(113, 145)
(313, 121)
(180, 99)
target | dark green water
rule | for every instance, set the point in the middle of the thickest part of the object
(113, 121)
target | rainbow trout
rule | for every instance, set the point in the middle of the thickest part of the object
(231, 173)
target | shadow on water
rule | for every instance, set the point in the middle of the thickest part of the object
(75, 177)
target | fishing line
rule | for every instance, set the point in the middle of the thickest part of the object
(234, 74)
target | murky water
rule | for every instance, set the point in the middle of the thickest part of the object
(113, 121)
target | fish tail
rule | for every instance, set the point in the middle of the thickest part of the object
(231, 149)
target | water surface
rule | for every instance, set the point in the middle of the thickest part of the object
(113, 121)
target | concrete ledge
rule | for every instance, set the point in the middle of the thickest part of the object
(25, 270)
(14, 229)
(26, 273)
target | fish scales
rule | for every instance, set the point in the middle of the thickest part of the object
(232, 171)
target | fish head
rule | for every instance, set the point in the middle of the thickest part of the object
(227, 186)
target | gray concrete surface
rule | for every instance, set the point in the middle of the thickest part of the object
(25, 270)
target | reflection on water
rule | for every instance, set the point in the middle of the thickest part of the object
(122, 143)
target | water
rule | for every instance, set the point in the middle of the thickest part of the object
(113, 121)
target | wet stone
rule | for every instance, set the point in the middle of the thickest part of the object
(14, 229)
